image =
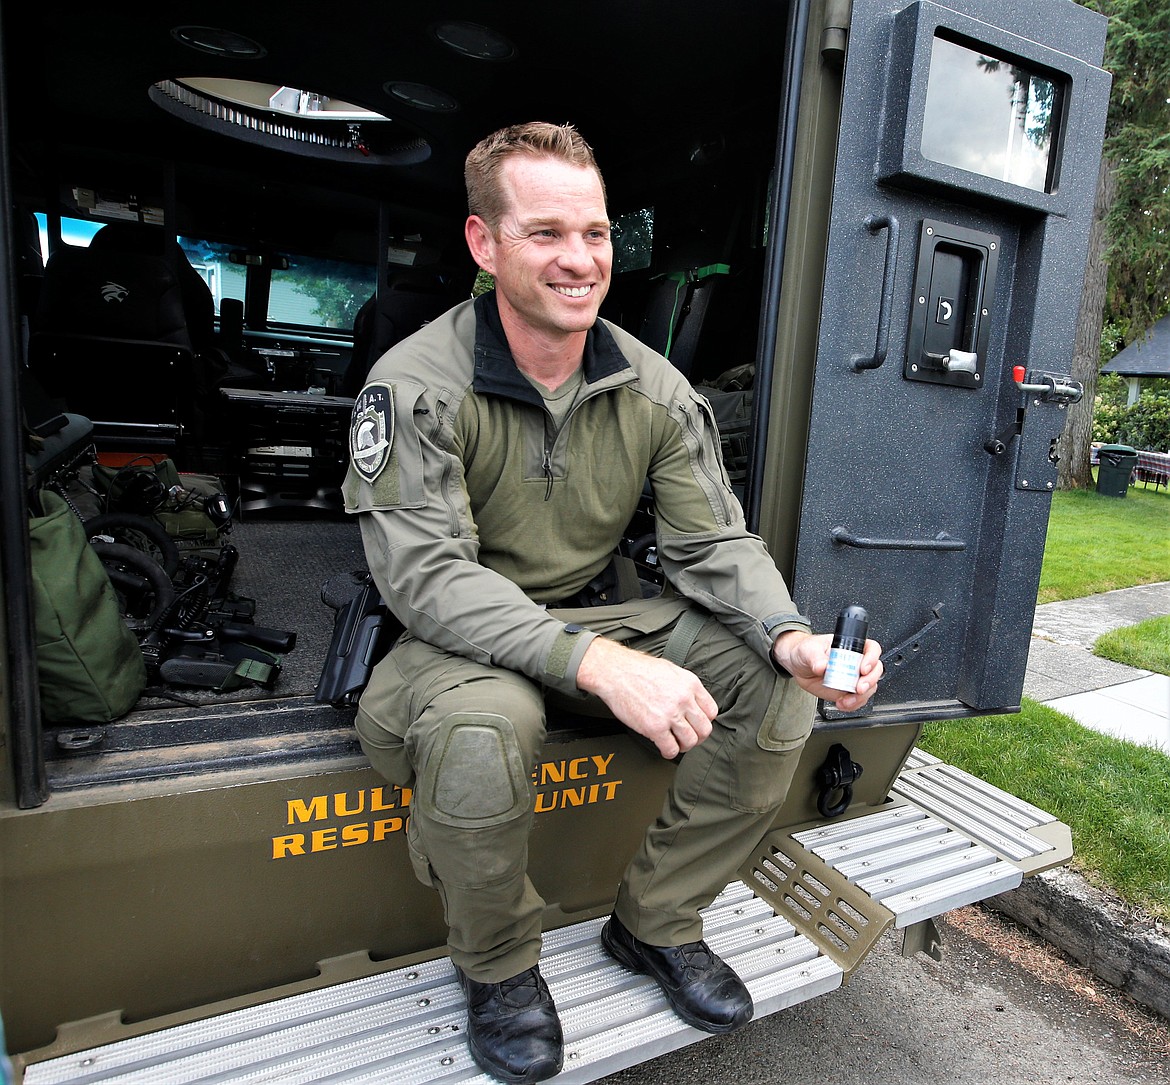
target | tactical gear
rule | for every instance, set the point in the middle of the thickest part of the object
(479, 515)
(455, 459)
(512, 1027)
(89, 667)
(701, 988)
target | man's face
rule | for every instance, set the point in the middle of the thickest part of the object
(551, 254)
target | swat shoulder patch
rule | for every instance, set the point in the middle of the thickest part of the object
(371, 430)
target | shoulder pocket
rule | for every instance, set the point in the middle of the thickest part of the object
(385, 454)
(701, 436)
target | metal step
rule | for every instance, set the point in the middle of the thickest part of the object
(407, 1026)
(946, 839)
(829, 891)
(995, 818)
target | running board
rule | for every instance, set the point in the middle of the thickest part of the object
(820, 896)
(407, 1026)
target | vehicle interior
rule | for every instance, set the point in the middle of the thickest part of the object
(222, 214)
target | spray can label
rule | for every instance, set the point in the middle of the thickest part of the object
(843, 670)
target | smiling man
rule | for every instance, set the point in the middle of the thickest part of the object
(497, 457)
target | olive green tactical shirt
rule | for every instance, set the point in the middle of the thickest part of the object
(476, 509)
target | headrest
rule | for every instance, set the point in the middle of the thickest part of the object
(139, 237)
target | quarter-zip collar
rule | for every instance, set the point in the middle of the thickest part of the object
(496, 372)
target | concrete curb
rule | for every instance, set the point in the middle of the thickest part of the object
(1097, 931)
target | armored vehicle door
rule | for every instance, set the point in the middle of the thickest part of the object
(962, 194)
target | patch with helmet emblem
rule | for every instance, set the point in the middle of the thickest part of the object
(371, 430)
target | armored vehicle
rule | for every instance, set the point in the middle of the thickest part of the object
(859, 227)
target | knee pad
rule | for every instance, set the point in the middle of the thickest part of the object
(476, 775)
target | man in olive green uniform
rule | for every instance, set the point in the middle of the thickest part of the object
(496, 458)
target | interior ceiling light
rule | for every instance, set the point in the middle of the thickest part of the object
(290, 119)
(421, 96)
(476, 41)
(292, 101)
(220, 43)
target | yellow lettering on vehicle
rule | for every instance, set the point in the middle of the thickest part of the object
(324, 839)
(288, 845)
(384, 828)
(347, 804)
(579, 768)
(316, 809)
(339, 810)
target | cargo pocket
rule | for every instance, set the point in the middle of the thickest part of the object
(763, 769)
(420, 863)
(789, 718)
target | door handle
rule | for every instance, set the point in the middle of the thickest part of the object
(873, 223)
(842, 536)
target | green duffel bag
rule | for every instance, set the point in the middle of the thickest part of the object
(89, 665)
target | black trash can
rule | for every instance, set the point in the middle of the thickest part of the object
(1115, 463)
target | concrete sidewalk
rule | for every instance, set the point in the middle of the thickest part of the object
(1124, 948)
(1098, 693)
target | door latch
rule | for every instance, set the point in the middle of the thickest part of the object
(1047, 389)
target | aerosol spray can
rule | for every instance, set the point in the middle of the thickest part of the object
(847, 648)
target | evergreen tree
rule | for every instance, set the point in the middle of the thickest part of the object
(1127, 277)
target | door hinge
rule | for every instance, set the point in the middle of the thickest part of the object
(835, 31)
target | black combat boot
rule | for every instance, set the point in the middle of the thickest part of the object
(703, 990)
(512, 1027)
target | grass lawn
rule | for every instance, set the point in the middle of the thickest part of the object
(1097, 543)
(1113, 794)
(1145, 645)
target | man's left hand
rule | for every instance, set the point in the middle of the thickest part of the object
(806, 655)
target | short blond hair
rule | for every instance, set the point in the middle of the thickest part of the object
(538, 139)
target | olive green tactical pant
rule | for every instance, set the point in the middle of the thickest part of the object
(470, 737)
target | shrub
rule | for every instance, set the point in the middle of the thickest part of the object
(1144, 425)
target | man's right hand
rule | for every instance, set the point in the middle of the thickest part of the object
(665, 703)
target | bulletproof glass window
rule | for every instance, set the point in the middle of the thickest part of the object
(77, 232)
(212, 260)
(319, 293)
(633, 240)
(991, 116)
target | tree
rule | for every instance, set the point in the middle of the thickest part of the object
(1127, 276)
(337, 297)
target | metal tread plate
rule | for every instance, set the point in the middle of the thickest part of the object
(407, 1026)
(911, 862)
(819, 899)
(984, 812)
(947, 839)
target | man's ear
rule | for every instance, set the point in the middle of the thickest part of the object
(481, 242)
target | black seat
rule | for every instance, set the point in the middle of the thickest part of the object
(410, 299)
(144, 240)
(123, 336)
(676, 310)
